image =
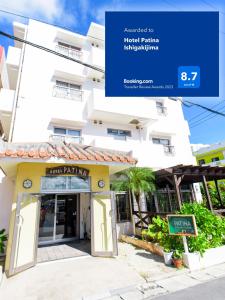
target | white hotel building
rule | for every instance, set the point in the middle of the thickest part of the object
(46, 99)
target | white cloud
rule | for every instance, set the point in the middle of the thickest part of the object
(46, 10)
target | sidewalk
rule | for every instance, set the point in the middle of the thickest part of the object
(135, 274)
(163, 286)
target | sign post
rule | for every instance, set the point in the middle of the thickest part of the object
(182, 225)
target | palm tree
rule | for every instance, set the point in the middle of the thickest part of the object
(135, 180)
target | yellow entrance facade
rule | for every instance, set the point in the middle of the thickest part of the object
(25, 216)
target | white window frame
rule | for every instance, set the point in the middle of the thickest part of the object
(68, 90)
(119, 136)
(69, 50)
(66, 136)
(168, 148)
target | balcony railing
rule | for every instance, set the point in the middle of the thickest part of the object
(162, 110)
(168, 149)
(66, 138)
(68, 93)
(69, 52)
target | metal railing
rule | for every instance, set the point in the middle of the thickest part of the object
(162, 110)
(69, 52)
(68, 93)
(66, 138)
(168, 149)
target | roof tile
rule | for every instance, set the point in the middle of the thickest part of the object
(69, 151)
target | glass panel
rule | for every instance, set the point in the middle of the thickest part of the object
(73, 132)
(59, 130)
(47, 213)
(79, 183)
(66, 216)
(62, 183)
(53, 183)
(62, 83)
(123, 207)
(75, 86)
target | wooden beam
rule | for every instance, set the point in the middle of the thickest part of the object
(218, 192)
(177, 190)
(208, 198)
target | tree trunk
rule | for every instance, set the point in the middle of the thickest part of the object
(137, 196)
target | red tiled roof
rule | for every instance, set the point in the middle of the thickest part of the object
(67, 151)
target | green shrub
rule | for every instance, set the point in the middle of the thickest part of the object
(3, 239)
(211, 228)
(158, 232)
(211, 231)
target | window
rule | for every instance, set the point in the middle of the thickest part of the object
(65, 183)
(69, 50)
(161, 109)
(118, 133)
(168, 148)
(123, 207)
(215, 159)
(201, 162)
(67, 90)
(161, 141)
(65, 134)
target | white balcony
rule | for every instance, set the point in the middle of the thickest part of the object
(12, 62)
(6, 107)
(66, 138)
(67, 93)
(123, 110)
(69, 52)
(67, 110)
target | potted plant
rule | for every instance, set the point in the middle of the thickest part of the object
(167, 254)
(177, 259)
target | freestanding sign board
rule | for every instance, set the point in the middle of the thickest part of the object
(183, 225)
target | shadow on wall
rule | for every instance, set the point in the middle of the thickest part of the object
(6, 196)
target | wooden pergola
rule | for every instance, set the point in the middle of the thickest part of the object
(181, 174)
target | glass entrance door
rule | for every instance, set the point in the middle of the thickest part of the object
(58, 218)
(66, 216)
(47, 218)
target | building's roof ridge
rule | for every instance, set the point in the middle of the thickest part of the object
(59, 149)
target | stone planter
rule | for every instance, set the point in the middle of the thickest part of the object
(148, 246)
(213, 256)
(168, 257)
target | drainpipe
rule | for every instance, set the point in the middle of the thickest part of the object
(16, 96)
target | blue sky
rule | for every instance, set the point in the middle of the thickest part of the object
(77, 15)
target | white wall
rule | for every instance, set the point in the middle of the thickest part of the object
(39, 111)
(6, 197)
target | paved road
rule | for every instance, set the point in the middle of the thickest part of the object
(213, 290)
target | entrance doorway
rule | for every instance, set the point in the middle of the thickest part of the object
(59, 218)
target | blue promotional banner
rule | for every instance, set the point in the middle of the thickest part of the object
(162, 54)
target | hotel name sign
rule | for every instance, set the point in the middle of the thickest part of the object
(67, 170)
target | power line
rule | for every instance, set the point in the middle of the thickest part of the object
(205, 108)
(207, 117)
(200, 114)
(205, 120)
(51, 51)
